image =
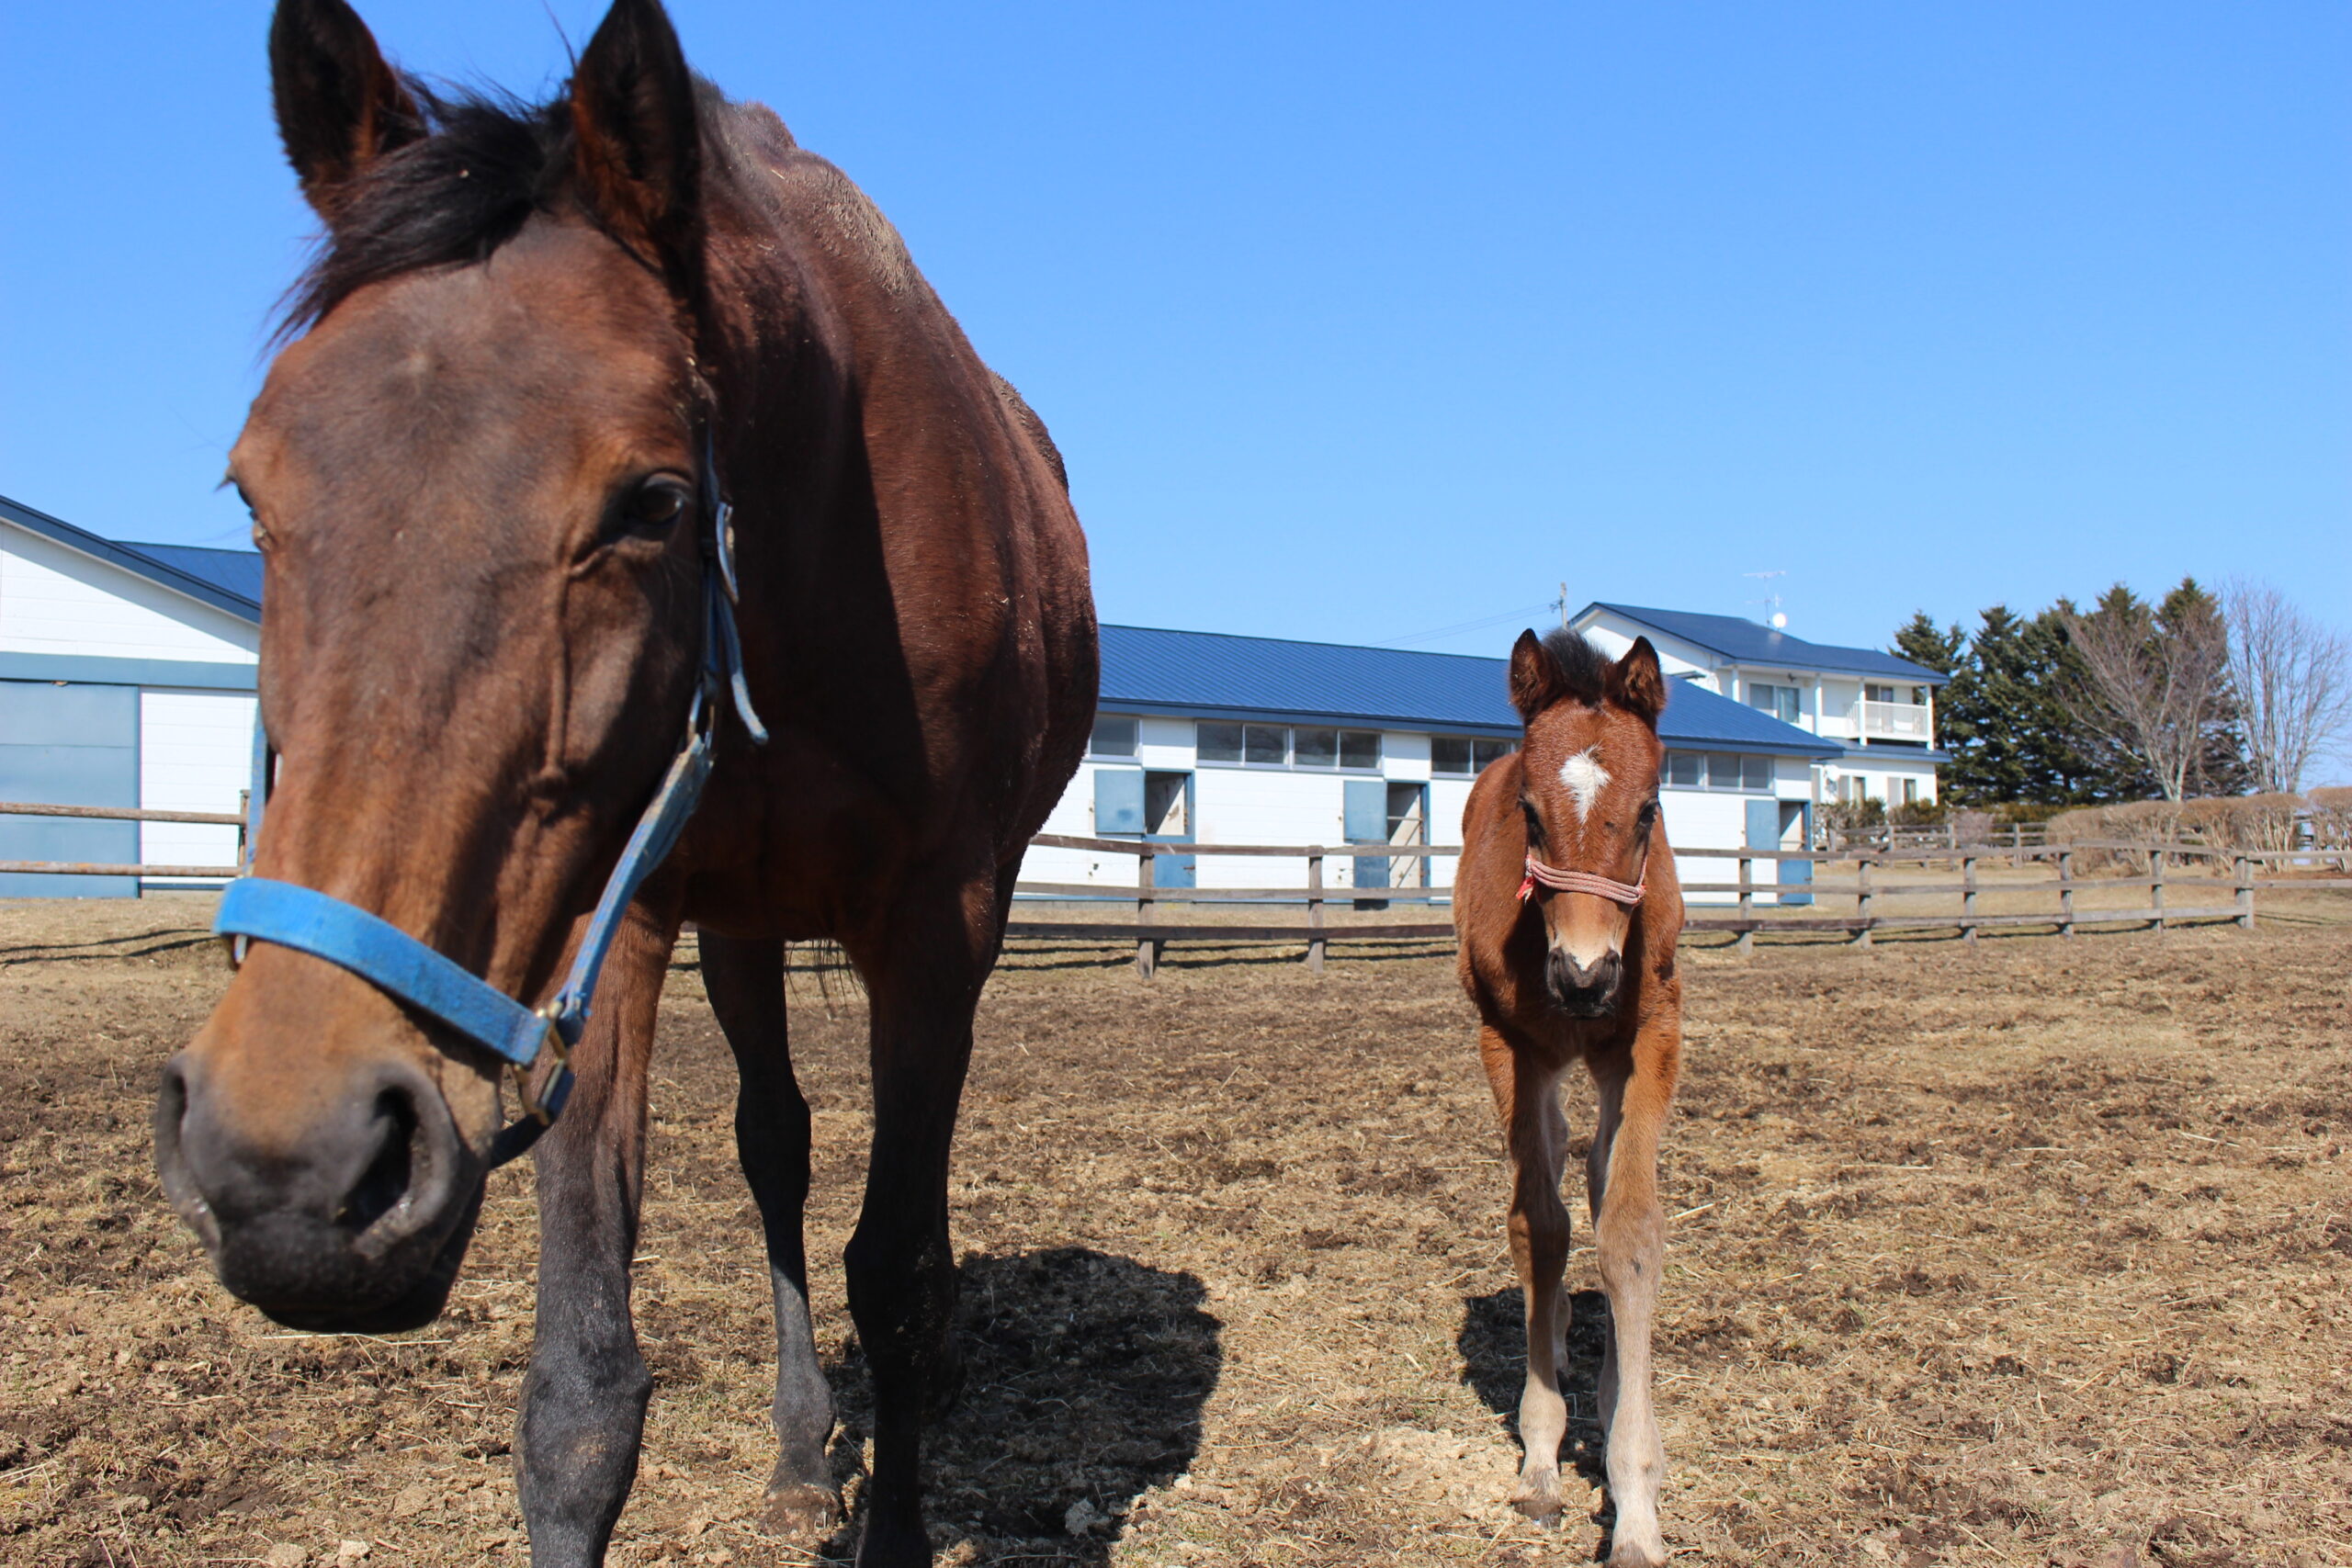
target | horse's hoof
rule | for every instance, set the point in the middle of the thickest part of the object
(800, 1514)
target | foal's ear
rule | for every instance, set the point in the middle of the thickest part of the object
(1637, 684)
(339, 104)
(639, 143)
(1536, 680)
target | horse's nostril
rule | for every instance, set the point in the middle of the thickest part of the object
(386, 1180)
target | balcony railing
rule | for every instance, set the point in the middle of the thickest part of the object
(1896, 721)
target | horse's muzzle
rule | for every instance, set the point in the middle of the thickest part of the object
(357, 1224)
(1582, 990)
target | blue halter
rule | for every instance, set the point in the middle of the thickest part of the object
(395, 963)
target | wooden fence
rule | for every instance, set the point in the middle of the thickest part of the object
(122, 814)
(2171, 870)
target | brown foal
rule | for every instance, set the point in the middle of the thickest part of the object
(1567, 909)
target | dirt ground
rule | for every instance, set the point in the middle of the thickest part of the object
(2030, 1254)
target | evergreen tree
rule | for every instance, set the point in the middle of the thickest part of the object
(2006, 720)
(1921, 643)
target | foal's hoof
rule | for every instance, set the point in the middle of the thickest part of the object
(1538, 1501)
(801, 1514)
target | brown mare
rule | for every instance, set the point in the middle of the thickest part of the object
(474, 477)
(1579, 973)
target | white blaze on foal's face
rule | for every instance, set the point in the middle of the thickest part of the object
(1586, 778)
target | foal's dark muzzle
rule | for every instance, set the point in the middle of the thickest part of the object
(1581, 990)
(357, 1222)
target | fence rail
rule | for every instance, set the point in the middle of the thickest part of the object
(2169, 871)
(143, 869)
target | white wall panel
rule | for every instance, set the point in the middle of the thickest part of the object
(57, 600)
(195, 753)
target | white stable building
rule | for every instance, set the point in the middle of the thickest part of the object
(126, 679)
(1879, 709)
(1207, 739)
(127, 676)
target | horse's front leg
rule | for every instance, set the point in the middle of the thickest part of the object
(1528, 1101)
(745, 980)
(1636, 1087)
(922, 979)
(583, 1399)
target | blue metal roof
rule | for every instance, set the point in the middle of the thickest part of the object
(222, 585)
(1748, 642)
(1215, 675)
(234, 571)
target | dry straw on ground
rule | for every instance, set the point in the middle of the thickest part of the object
(2035, 1254)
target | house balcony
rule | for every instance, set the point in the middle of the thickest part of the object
(1897, 721)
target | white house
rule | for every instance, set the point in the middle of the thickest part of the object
(1209, 739)
(1879, 709)
(126, 679)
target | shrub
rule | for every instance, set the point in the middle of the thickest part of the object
(1855, 816)
(1918, 814)
(2239, 824)
(2331, 816)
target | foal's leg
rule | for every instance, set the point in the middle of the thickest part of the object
(583, 1399)
(923, 980)
(745, 981)
(1528, 1101)
(1636, 1086)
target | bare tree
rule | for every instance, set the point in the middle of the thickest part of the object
(2152, 679)
(2293, 679)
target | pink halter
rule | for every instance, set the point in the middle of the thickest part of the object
(1627, 894)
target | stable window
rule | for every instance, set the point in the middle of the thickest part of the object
(1114, 736)
(1217, 742)
(1359, 748)
(1459, 756)
(1316, 747)
(1264, 745)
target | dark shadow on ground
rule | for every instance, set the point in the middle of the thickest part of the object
(1493, 1345)
(1048, 952)
(1085, 1377)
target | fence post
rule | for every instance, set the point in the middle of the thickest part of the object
(1747, 942)
(1968, 900)
(1147, 949)
(2066, 893)
(1862, 898)
(2157, 886)
(2245, 894)
(1314, 909)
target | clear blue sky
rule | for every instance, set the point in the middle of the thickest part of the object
(1358, 321)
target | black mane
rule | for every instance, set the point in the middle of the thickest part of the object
(1584, 668)
(453, 197)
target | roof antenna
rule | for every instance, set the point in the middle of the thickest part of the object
(1773, 617)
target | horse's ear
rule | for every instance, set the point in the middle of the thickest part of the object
(1536, 681)
(1637, 684)
(639, 138)
(339, 104)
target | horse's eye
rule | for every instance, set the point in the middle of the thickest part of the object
(1534, 823)
(655, 506)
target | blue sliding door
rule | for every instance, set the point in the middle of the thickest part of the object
(68, 744)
